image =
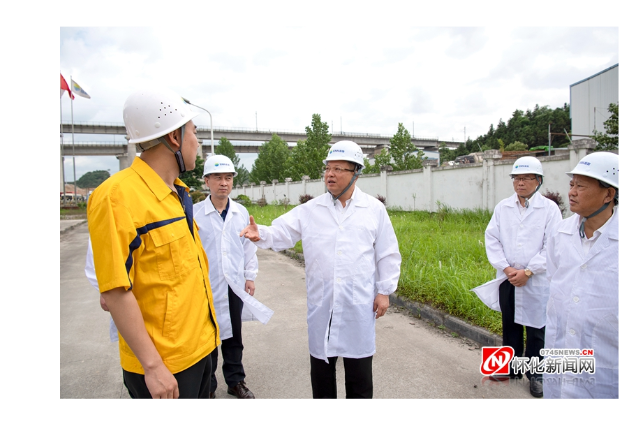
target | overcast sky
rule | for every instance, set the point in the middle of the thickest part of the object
(437, 81)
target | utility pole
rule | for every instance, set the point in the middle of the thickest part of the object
(549, 139)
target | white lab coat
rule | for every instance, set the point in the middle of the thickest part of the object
(232, 261)
(347, 262)
(583, 309)
(519, 241)
(90, 272)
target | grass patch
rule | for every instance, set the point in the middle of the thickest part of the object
(443, 258)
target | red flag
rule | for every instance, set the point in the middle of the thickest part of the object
(64, 87)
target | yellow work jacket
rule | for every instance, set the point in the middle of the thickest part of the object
(142, 241)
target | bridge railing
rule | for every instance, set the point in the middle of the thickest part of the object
(268, 131)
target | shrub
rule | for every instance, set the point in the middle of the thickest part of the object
(284, 201)
(262, 202)
(197, 196)
(516, 146)
(380, 198)
(243, 199)
(557, 198)
(302, 199)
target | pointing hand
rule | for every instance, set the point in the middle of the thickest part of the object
(251, 231)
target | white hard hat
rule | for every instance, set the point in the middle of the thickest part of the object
(345, 150)
(151, 114)
(219, 163)
(601, 165)
(527, 165)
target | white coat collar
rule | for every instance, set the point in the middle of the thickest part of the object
(358, 198)
(571, 225)
(536, 201)
(209, 206)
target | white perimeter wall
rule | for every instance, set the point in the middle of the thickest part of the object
(471, 186)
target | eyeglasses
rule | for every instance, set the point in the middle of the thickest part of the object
(337, 170)
(523, 179)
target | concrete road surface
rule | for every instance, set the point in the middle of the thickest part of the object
(413, 359)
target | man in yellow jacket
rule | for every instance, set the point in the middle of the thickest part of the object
(150, 264)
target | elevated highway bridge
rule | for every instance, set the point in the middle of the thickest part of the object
(371, 143)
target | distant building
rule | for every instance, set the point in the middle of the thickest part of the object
(589, 101)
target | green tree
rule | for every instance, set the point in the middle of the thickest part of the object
(194, 178)
(307, 156)
(383, 158)
(403, 151)
(271, 160)
(226, 148)
(610, 139)
(92, 179)
(445, 154)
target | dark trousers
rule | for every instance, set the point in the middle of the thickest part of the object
(358, 377)
(513, 332)
(193, 382)
(232, 348)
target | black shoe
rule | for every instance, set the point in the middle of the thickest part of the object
(240, 391)
(536, 387)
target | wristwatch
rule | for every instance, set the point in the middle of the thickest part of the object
(528, 273)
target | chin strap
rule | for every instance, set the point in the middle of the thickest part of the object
(584, 219)
(356, 174)
(527, 199)
(178, 154)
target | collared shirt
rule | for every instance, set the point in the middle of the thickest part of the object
(589, 242)
(141, 233)
(340, 210)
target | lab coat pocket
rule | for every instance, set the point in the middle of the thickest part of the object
(363, 290)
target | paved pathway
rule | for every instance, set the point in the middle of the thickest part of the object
(413, 359)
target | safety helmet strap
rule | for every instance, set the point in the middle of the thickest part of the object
(527, 199)
(351, 182)
(178, 154)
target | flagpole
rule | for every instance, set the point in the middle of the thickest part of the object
(73, 148)
(62, 160)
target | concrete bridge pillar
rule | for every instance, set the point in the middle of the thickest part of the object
(131, 154)
(579, 149)
(123, 161)
(490, 157)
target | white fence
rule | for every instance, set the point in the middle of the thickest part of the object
(470, 186)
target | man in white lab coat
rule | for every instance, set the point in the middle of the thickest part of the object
(515, 243)
(352, 264)
(233, 267)
(583, 268)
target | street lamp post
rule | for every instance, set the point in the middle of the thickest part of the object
(211, 123)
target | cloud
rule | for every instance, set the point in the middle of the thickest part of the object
(266, 57)
(420, 101)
